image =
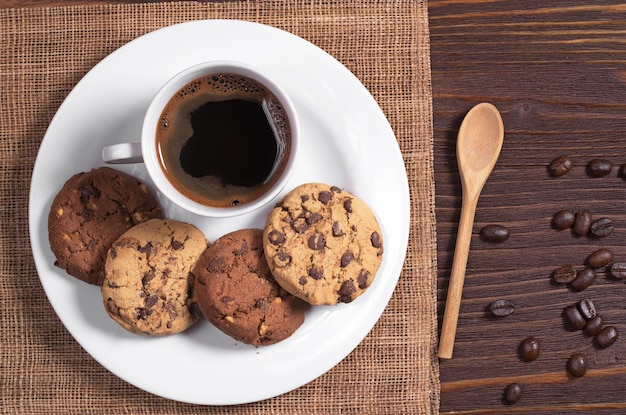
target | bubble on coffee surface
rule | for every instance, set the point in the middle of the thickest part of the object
(280, 122)
(189, 89)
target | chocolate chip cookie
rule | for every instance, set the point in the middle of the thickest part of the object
(323, 244)
(238, 294)
(90, 212)
(148, 285)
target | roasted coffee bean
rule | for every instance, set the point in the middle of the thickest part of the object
(529, 349)
(583, 279)
(502, 308)
(573, 318)
(563, 219)
(582, 222)
(618, 270)
(593, 326)
(494, 233)
(600, 258)
(599, 167)
(512, 393)
(622, 171)
(577, 365)
(560, 166)
(587, 308)
(601, 227)
(607, 336)
(564, 274)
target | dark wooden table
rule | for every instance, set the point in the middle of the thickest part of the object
(557, 72)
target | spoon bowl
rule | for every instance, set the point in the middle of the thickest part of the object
(478, 147)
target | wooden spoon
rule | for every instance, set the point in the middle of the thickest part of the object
(477, 149)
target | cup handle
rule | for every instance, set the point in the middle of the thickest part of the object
(123, 153)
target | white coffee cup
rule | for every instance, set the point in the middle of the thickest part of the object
(287, 136)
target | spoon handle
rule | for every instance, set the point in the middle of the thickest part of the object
(457, 276)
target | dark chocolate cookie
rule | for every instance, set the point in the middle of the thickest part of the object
(236, 291)
(323, 244)
(89, 213)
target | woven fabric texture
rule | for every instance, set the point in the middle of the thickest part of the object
(44, 52)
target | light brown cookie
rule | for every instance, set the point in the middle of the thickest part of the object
(238, 294)
(148, 285)
(323, 244)
(90, 212)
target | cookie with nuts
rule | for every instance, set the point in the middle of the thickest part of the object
(89, 213)
(148, 286)
(236, 291)
(323, 244)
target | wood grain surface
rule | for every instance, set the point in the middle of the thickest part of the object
(556, 71)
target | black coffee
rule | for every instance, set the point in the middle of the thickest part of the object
(223, 140)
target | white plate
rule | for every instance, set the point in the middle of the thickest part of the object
(346, 141)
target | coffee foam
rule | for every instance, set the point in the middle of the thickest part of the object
(224, 83)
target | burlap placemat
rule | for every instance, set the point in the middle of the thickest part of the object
(44, 52)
